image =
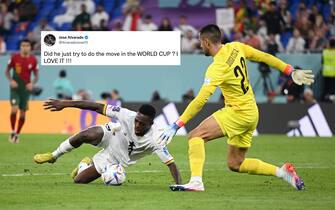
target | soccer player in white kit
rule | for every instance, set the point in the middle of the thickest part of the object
(125, 142)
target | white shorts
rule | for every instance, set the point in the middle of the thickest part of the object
(103, 157)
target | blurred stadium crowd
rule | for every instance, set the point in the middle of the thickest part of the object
(293, 26)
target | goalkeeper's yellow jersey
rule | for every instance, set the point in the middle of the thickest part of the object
(229, 72)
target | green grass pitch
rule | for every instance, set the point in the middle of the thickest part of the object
(26, 185)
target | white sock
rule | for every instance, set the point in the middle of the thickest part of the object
(82, 166)
(196, 179)
(64, 147)
(279, 172)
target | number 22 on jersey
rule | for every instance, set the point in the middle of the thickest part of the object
(241, 72)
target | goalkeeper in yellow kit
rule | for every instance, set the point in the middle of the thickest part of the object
(238, 119)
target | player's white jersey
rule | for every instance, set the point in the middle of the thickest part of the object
(123, 146)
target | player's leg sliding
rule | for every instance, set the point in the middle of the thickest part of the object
(85, 172)
(63, 148)
(197, 160)
(286, 172)
(92, 135)
(83, 164)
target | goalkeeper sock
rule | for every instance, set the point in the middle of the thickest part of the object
(256, 166)
(196, 179)
(20, 124)
(13, 121)
(64, 147)
(196, 153)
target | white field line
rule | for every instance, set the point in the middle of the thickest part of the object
(144, 171)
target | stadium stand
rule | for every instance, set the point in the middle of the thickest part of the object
(253, 11)
(307, 16)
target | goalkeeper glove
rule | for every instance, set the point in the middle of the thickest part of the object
(302, 77)
(169, 132)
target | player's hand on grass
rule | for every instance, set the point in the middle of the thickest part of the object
(13, 84)
(54, 105)
(302, 77)
(29, 86)
(167, 135)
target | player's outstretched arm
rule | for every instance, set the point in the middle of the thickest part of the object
(58, 105)
(300, 77)
(175, 173)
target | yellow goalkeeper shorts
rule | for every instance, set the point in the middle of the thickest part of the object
(238, 125)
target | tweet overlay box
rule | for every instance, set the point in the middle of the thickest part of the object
(110, 48)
